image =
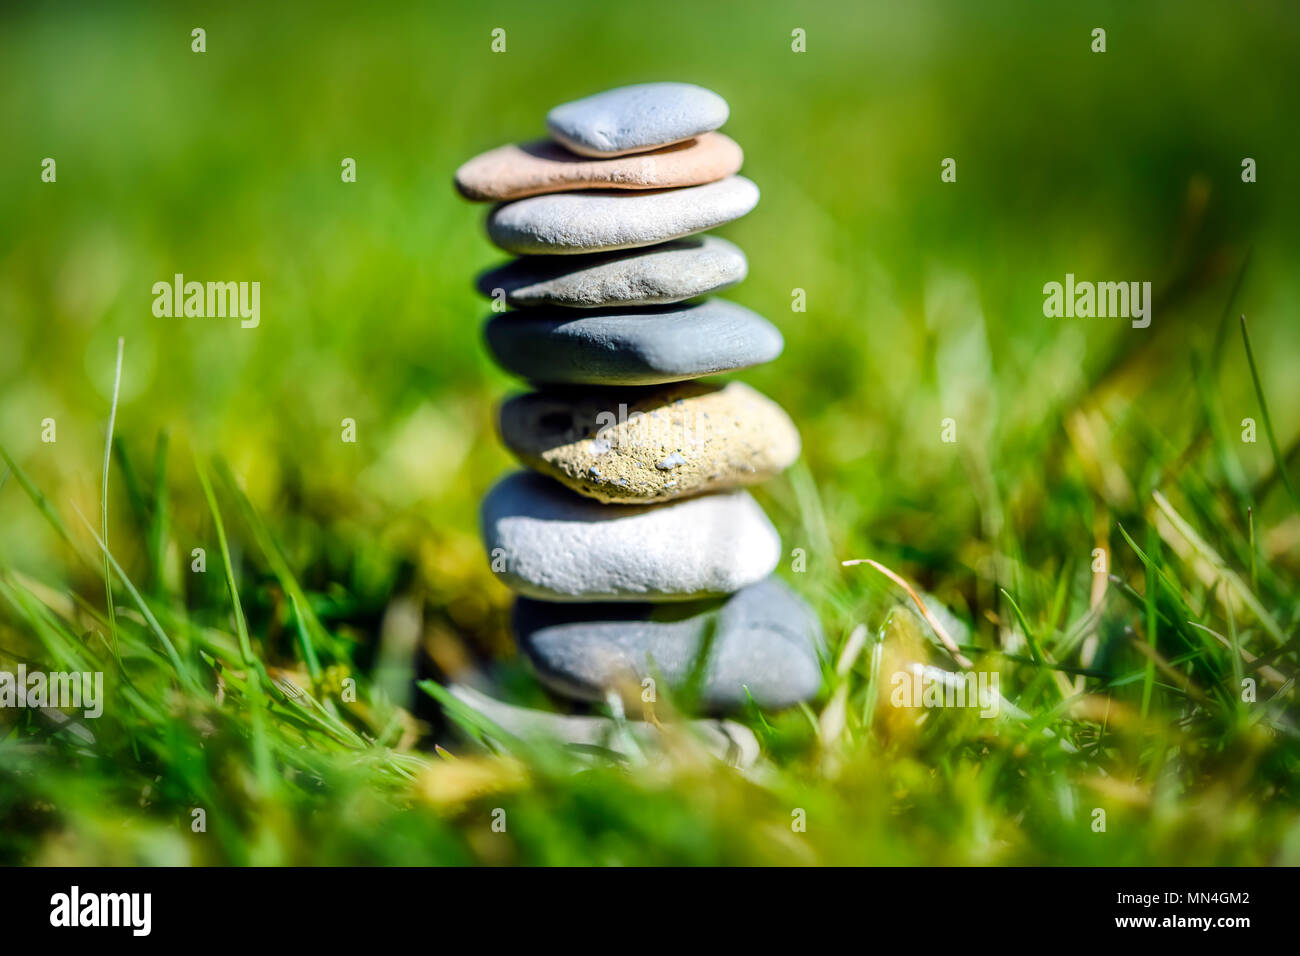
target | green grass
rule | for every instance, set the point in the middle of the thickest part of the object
(292, 690)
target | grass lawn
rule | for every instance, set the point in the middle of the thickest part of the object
(1106, 517)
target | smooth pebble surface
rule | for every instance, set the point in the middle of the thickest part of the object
(673, 441)
(764, 638)
(581, 222)
(547, 542)
(642, 347)
(531, 169)
(630, 119)
(660, 275)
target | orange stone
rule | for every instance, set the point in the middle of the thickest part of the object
(531, 169)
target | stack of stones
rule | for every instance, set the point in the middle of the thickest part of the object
(637, 554)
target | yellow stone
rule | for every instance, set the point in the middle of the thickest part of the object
(636, 446)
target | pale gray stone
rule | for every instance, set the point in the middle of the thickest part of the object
(631, 119)
(582, 222)
(658, 275)
(547, 542)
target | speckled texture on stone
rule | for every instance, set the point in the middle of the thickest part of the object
(727, 740)
(532, 169)
(659, 275)
(576, 223)
(547, 542)
(764, 638)
(630, 119)
(650, 346)
(673, 441)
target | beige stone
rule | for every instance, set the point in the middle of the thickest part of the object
(668, 442)
(513, 172)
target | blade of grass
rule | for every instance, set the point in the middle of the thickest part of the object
(1223, 449)
(1213, 558)
(1236, 657)
(871, 697)
(103, 493)
(130, 482)
(1149, 671)
(241, 625)
(182, 672)
(1257, 664)
(938, 628)
(542, 751)
(42, 503)
(304, 639)
(1221, 330)
(1278, 461)
(257, 695)
(1030, 638)
(61, 645)
(160, 517)
(1254, 550)
(313, 635)
(1046, 669)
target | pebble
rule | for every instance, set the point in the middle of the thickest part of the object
(531, 169)
(547, 542)
(664, 443)
(643, 347)
(630, 119)
(582, 222)
(764, 638)
(727, 740)
(660, 275)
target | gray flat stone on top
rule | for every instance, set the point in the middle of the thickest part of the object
(763, 638)
(582, 222)
(638, 347)
(630, 119)
(659, 275)
(548, 542)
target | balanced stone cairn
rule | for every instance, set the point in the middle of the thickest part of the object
(637, 555)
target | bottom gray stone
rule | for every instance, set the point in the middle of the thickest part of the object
(763, 639)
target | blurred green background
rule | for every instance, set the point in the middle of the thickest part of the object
(924, 302)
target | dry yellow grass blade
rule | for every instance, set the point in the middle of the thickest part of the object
(939, 629)
(452, 783)
(1211, 567)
